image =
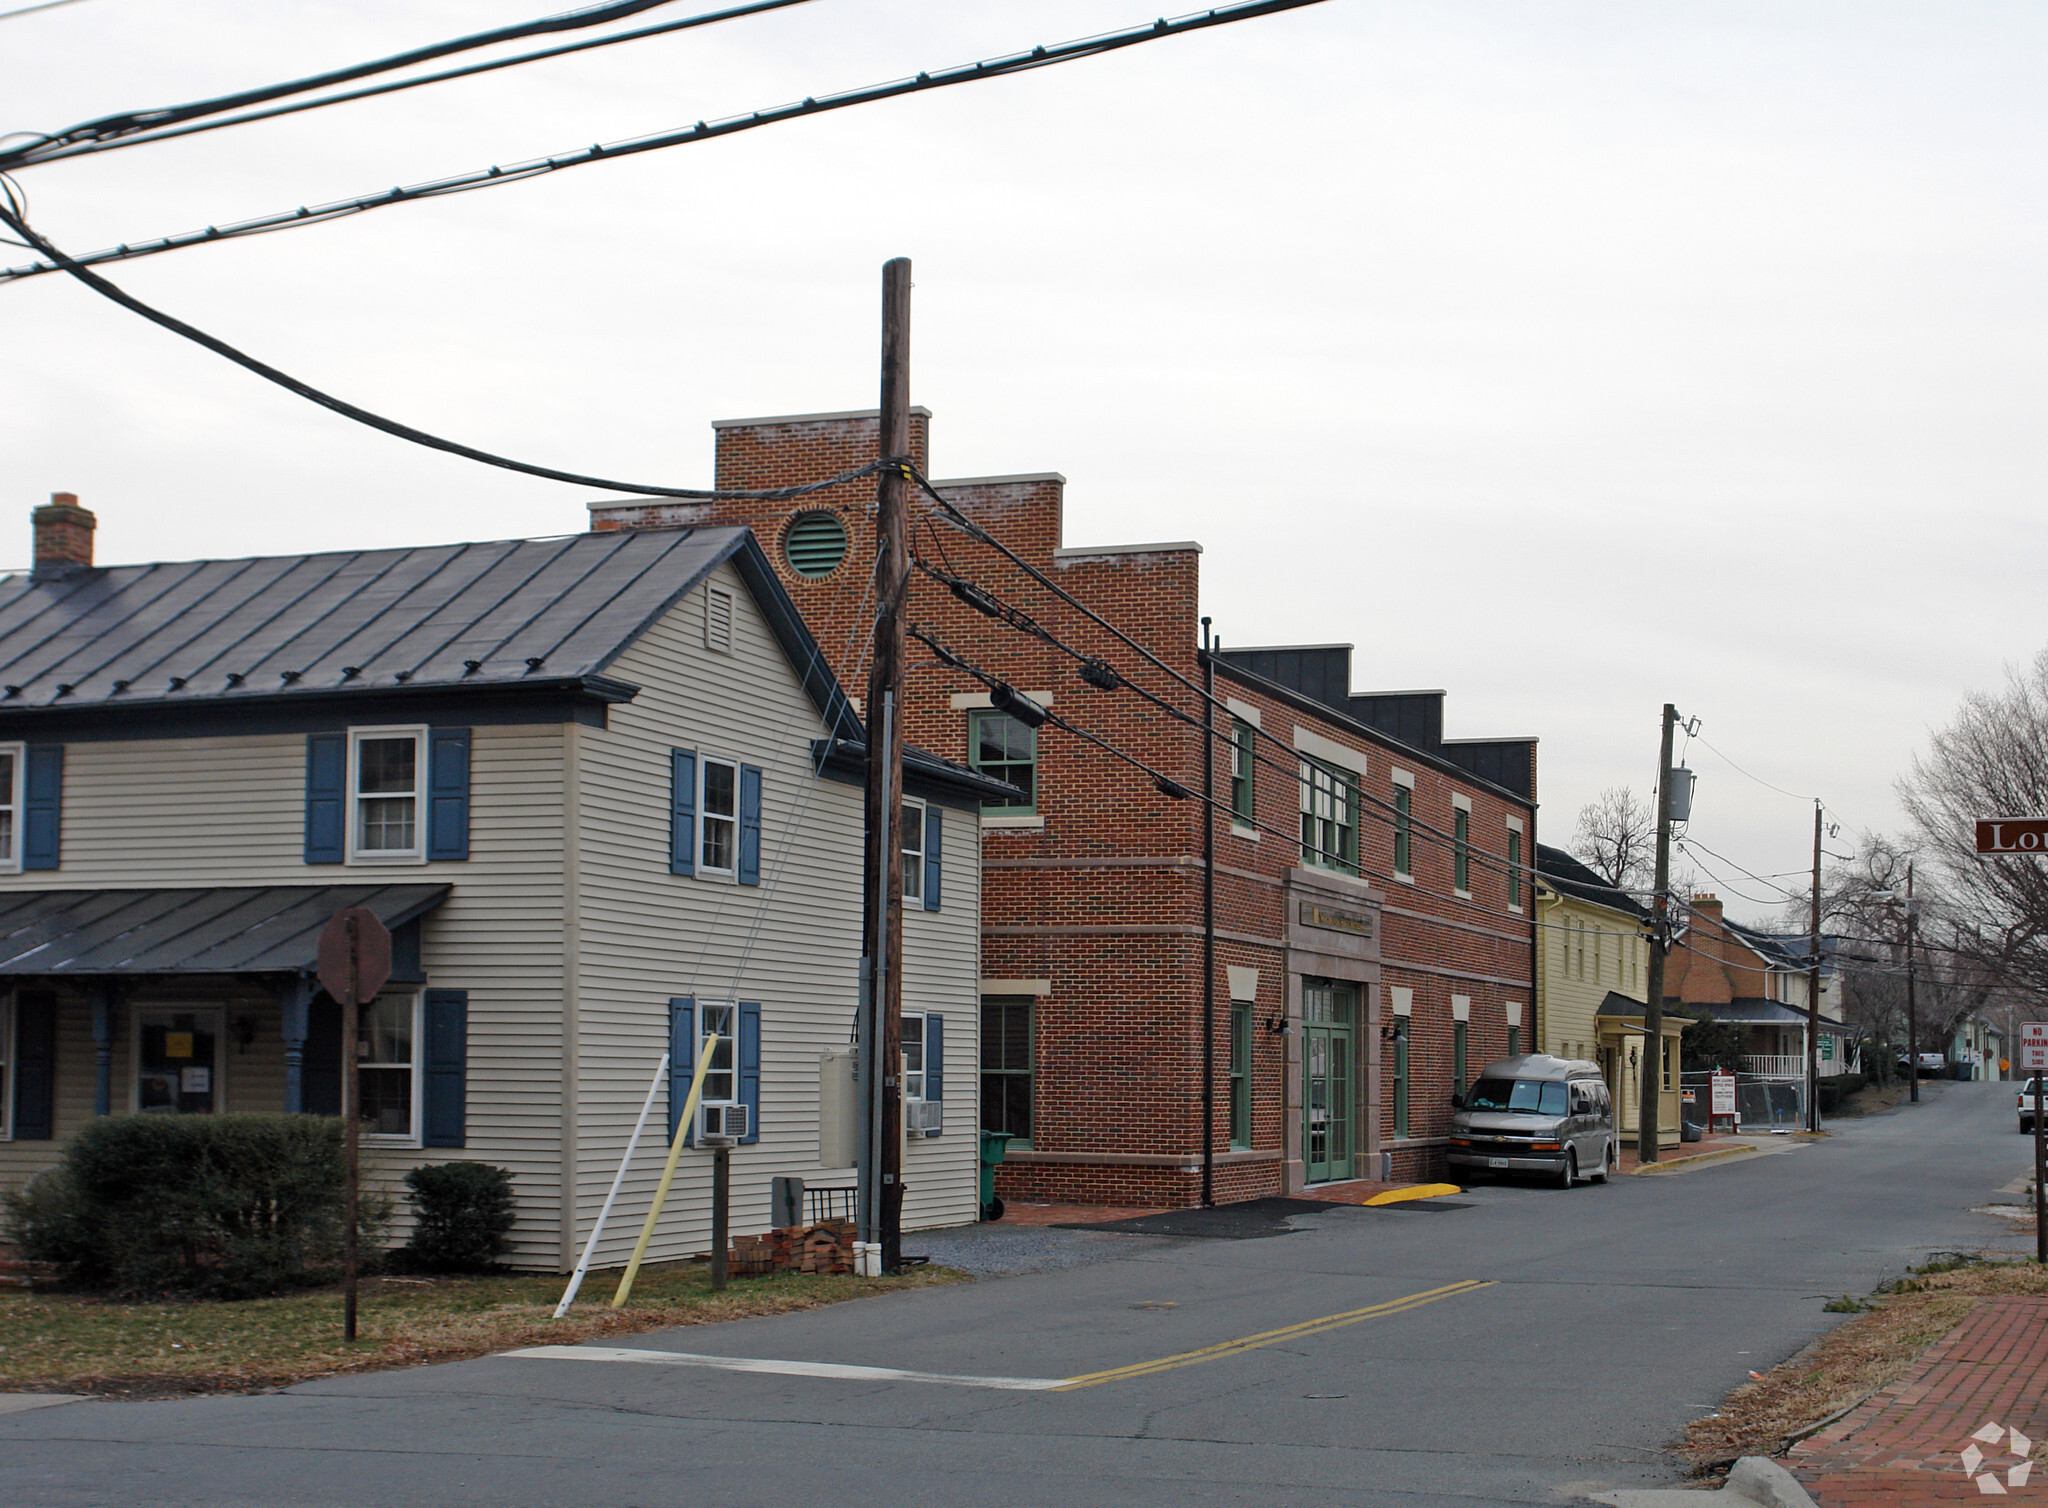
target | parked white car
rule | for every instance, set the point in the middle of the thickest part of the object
(2026, 1107)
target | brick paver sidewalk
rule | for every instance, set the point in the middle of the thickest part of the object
(1902, 1447)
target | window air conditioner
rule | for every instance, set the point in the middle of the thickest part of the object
(722, 1122)
(924, 1117)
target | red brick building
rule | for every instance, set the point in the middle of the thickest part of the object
(1371, 937)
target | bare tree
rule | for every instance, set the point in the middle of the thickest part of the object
(1990, 761)
(1616, 838)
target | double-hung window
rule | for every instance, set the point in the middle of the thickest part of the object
(387, 772)
(1404, 829)
(1240, 1073)
(1514, 869)
(1242, 764)
(13, 759)
(1461, 850)
(913, 1055)
(913, 851)
(1006, 1065)
(718, 821)
(721, 1079)
(387, 1071)
(1000, 746)
(1329, 816)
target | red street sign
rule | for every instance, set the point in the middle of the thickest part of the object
(372, 954)
(2034, 1031)
(2013, 835)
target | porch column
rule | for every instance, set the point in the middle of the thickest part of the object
(102, 998)
(293, 1007)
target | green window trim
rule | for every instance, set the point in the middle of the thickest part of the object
(1240, 1074)
(1242, 786)
(1461, 849)
(1401, 1080)
(1514, 1041)
(1008, 1054)
(1329, 817)
(1459, 1038)
(1404, 830)
(999, 745)
(1514, 869)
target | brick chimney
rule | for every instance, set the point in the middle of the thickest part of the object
(63, 532)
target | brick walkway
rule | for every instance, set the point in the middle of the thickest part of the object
(1901, 1448)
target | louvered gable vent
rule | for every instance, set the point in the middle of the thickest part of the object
(815, 544)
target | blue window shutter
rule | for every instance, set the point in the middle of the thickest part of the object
(934, 838)
(448, 793)
(750, 1068)
(750, 824)
(42, 826)
(446, 1061)
(935, 1061)
(35, 1067)
(326, 793)
(682, 1056)
(682, 820)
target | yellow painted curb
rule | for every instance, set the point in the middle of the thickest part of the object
(1420, 1191)
(1674, 1163)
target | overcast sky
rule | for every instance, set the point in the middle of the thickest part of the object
(1572, 357)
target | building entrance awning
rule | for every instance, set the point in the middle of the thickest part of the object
(230, 929)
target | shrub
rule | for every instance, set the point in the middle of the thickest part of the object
(214, 1206)
(462, 1214)
(1837, 1088)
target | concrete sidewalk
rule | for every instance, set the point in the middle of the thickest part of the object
(1906, 1445)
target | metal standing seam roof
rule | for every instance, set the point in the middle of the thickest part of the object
(235, 929)
(501, 614)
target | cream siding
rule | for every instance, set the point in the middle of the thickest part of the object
(791, 944)
(231, 811)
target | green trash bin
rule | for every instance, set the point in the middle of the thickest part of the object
(993, 1145)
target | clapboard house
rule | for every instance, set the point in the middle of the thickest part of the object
(603, 789)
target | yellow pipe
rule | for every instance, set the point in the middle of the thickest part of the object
(668, 1173)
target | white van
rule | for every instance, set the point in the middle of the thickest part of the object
(1537, 1114)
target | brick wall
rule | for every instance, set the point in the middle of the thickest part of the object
(1102, 898)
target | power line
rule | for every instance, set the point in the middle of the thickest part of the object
(1757, 778)
(29, 10)
(492, 177)
(75, 143)
(99, 285)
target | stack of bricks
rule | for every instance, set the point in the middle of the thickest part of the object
(826, 1247)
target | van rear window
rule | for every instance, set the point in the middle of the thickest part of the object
(1532, 1096)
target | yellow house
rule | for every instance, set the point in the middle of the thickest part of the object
(1592, 960)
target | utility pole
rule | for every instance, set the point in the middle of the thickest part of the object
(1813, 992)
(1912, 995)
(1209, 920)
(883, 911)
(1660, 939)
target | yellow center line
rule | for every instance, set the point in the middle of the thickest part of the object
(1271, 1337)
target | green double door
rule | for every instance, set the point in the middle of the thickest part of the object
(1328, 1009)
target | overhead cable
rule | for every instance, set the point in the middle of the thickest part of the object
(1037, 57)
(76, 143)
(99, 285)
(127, 123)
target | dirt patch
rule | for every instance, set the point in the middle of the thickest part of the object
(67, 1343)
(1847, 1365)
(1872, 1099)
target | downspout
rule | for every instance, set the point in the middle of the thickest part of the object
(1539, 998)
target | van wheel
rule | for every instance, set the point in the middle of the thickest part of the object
(1608, 1164)
(1570, 1175)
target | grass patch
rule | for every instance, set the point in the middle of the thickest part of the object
(56, 1342)
(1845, 1366)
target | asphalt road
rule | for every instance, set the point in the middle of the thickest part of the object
(1614, 1315)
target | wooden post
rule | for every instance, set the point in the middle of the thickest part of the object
(1209, 919)
(883, 913)
(721, 1203)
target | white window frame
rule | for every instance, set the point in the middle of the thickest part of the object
(217, 1014)
(913, 847)
(411, 1138)
(724, 1017)
(10, 858)
(705, 817)
(916, 1074)
(417, 854)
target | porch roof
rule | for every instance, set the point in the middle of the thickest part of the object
(229, 929)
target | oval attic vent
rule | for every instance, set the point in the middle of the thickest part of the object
(815, 544)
